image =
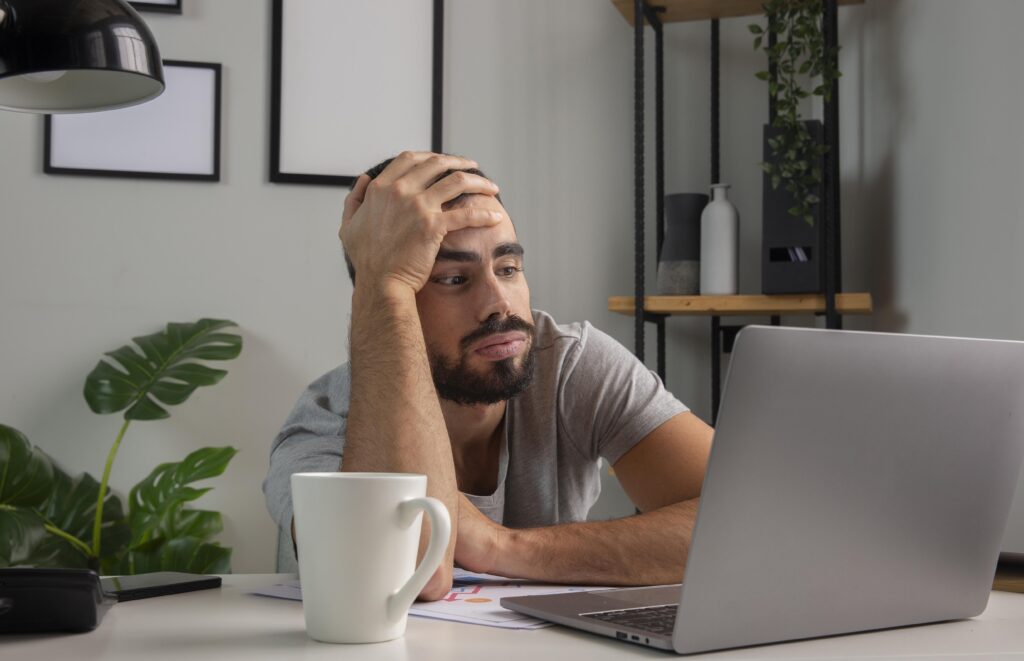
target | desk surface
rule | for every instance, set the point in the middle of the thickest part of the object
(229, 624)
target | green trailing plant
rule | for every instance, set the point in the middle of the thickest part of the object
(798, 56)
(49, 518)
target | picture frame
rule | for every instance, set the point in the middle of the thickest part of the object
(318, 135)
(174, 136)
(162, 6)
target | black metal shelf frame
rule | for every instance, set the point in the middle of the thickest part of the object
(720, 335)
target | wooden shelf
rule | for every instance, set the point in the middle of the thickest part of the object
(846, 303)
(677, 11)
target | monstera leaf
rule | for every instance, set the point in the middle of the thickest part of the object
(156, 504)
(27, 476)
(72, 509)
(160, 369)
(166, 536)
(26, 481)
(42, 507)
(186, 554)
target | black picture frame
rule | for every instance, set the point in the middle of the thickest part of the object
(278, 29)
(161, 7)
(56, 161)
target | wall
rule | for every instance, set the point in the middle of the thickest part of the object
(541, 94)
(939, 184)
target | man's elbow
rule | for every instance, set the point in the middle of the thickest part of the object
(439, 585)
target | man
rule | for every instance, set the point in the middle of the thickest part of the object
(507, 413)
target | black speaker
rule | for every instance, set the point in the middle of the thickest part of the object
(791, 249)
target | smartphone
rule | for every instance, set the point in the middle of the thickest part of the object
(156, 584)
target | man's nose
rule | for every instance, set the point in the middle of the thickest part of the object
(495, 299)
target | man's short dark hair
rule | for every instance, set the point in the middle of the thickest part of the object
(377, 169)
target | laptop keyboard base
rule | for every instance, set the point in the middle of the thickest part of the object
(660, 620)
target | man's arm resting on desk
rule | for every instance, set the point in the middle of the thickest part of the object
(392, 229)
(663, 476)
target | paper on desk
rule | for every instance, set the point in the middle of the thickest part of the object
(474, 599)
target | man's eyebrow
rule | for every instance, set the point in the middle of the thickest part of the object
(448, 255)
(507, 249)
(502, 249)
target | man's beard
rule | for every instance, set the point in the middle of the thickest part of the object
(457, 382)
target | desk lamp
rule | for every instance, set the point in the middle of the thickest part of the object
(59, 56)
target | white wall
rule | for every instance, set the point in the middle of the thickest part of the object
(541, 94)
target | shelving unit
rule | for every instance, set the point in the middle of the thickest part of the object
(656, 309)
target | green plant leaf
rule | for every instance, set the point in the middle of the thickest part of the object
(161, 372)
(73, 508)
(155, 505)
(187, 554)
(190, 554)
(21, 530)
(26, 473)
(755, 28)
(38, 493)
(196, 523)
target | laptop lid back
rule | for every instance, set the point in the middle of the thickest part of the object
(857, 481)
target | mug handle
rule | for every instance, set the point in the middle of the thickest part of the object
(440, 533)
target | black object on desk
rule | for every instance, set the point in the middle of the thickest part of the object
(36, 600)
(141, 586)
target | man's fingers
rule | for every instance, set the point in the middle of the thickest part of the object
(355, 197)
(465, 217)
(401, 165)
(426, 172)
(456, 184)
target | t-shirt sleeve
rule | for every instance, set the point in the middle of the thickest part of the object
(609, 401)
(310, 441)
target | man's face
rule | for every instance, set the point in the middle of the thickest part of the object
(475, 313)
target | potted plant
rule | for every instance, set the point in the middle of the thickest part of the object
(801, 66)
(49, 518)
(797, 57)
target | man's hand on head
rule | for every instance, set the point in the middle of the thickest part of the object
(392, 226)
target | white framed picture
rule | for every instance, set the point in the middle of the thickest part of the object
(338, 105)
(174, 136)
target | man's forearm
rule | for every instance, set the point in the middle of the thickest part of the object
(395, 422)
(647, 549)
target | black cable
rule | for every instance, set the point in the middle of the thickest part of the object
(833, 267)
(773, 70)
(638, 171)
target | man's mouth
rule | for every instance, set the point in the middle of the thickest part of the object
(501, 346)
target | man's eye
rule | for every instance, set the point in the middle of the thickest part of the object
(509, 271)
(452, 280)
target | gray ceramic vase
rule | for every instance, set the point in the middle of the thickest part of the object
(679, 262)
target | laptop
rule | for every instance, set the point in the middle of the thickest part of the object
(857, 481)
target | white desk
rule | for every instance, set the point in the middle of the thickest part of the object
(229, 624)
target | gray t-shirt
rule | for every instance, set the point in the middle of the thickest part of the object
(590, 398)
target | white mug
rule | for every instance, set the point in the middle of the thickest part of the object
(357, 536)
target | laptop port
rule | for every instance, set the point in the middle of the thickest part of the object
(621, 635)
(637, 638)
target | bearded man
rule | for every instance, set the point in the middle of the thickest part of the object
(507, 412)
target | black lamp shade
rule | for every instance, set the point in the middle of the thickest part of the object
(61, 56)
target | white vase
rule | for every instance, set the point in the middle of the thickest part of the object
(719, 245)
